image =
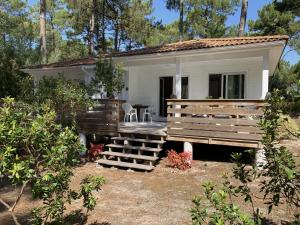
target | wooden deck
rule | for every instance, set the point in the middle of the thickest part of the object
(137, 145)
(221, 122)
(155, 128)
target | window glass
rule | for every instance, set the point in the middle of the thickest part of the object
(227, 86)
(184, 87)
(235, 86)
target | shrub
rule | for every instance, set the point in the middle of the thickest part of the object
(108, 77)
(66, 97)
(35, 150)
(181, 161)
(279, 178)
(223, 211)
(95, 150)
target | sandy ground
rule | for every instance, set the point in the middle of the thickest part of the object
(162, 196)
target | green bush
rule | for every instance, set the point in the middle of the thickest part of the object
(109, 77)
(65, 96)
(279, 178)
(35, 150)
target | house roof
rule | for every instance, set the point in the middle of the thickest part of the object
(173, 47)
(67, 63)
(202, 44)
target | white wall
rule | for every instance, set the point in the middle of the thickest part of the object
(144, 80)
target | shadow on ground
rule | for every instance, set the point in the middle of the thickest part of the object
(77, 217)
(216, 153)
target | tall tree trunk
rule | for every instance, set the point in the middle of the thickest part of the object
(91, 34)
(92, 29)
(103, 41)
(181, 20)
(43, 43)
(243, 17)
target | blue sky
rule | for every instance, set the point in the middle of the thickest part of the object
(161, 13)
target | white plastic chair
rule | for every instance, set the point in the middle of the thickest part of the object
(148, 113)
(129, 112)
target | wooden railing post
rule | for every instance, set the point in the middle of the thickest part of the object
(225, 122)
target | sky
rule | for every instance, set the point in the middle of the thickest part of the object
(161, 13)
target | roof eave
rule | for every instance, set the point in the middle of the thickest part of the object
(191, 52)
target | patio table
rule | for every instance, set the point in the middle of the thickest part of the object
(138, 108)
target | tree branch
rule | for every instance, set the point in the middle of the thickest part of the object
(11, 212)
(19, 196)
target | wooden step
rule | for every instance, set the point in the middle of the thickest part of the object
(133, 156)
(159, 133)
(138, 140)
(134, 147)
(125, 164)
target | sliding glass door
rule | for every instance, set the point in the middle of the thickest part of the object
(227, 86)
(166, 91)
(235, 86)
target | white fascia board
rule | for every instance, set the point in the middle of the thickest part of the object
(227, 49)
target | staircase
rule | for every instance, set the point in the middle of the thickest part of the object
(133, 151)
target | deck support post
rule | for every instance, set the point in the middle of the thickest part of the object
(265, 76)
(188, 147)
(260, 158)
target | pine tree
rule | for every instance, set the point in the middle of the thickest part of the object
(206, 18)
(43, 44)
(243, 17)
(179, 6)
(272, 21)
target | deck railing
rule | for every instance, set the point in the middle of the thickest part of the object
(222, 122)
(103, 119)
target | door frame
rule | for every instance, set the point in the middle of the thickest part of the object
(158, 93)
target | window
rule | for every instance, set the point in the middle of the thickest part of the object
(184, 87)
(227, 86)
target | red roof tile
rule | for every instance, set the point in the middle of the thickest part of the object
(174, 47)
(202, 44)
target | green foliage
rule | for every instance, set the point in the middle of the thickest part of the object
(65, 96)
(219, 210)
(13, 82)
(272, 22)
(207, 17)
(281, 172)
(35, 149)
(277, 18)
(279, 178)
(108, 77)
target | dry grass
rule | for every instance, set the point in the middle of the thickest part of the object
(162, 196)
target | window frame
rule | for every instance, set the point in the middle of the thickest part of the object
(226, 75)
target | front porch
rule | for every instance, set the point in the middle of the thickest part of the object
(137, 145)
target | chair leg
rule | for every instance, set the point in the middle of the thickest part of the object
(125, 118)
(144, 117)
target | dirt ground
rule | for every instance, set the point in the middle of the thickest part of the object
(162, 196)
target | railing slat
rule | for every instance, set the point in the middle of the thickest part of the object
(103, 119)
(209, 121)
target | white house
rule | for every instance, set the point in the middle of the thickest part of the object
(229, 68)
